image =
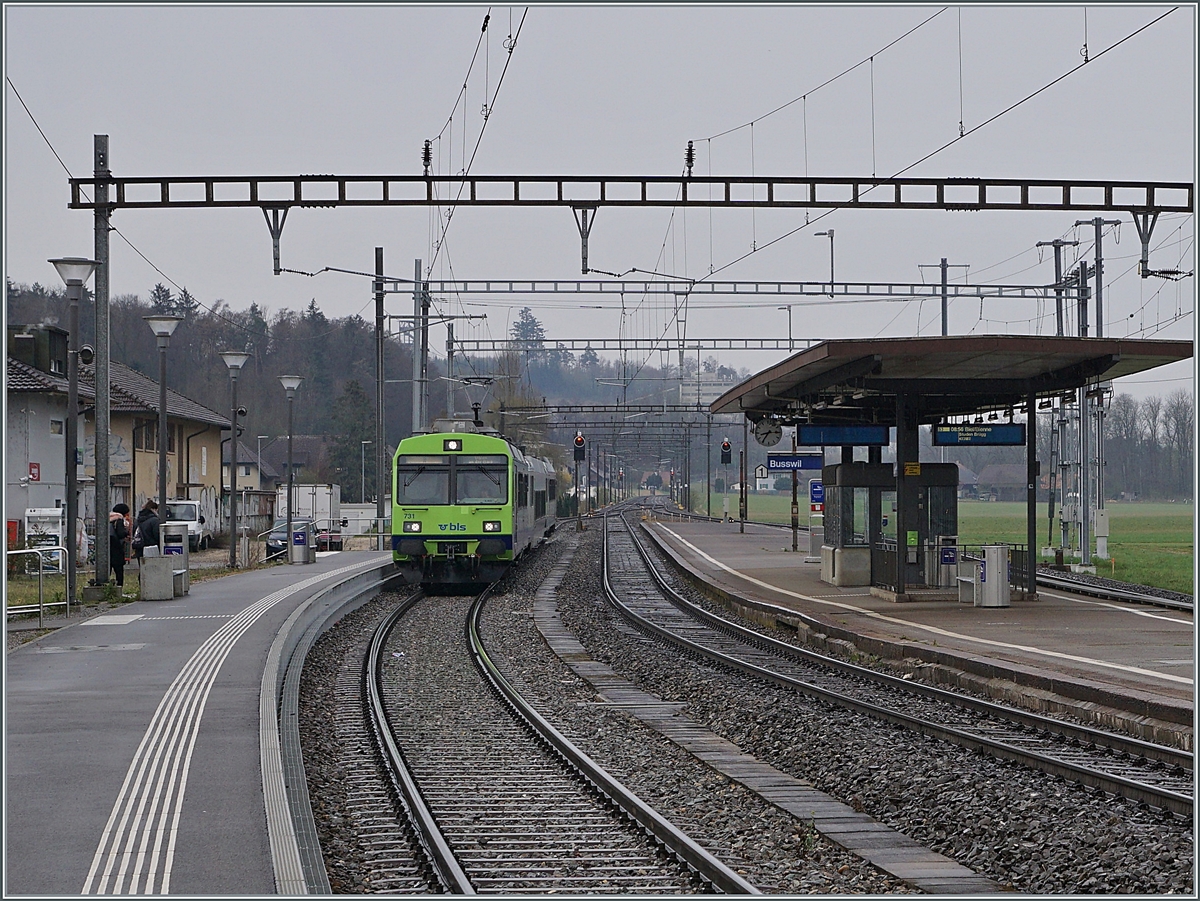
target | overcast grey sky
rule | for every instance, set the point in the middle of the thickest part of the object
(609, 90)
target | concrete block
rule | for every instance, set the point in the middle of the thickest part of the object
(852, 567)
(94, 594)
(157, 578)
(828, 564)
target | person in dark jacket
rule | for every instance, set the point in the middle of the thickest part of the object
(147, 521)
(118, 533)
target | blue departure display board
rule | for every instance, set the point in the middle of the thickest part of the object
(1008, 433)
(845, 435)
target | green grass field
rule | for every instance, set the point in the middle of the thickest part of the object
(1148, 544)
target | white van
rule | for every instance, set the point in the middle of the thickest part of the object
(188, 513)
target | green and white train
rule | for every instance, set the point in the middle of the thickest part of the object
(465, 506)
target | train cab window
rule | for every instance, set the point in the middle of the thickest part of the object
(552, 489)
(423, 481)
(478, 483)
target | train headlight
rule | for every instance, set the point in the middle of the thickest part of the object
(492, 525)
(411, 525)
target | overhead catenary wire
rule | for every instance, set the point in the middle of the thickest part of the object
(948, 144)
(828, 81)
(210, 310)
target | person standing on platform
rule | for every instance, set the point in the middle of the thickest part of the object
(118, 533)
(147, 530)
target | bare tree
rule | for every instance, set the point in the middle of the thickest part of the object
(1124, 440)
(1150, 415)
(1178, 418)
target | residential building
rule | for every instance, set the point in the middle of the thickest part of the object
(308, 457)
(252, 475)
(35, 448)
(193, 442)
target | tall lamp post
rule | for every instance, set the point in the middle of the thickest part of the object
(235, 360)
(74, 271)
(362, 469)
(162, 326)
(829, 235)
(290, 384)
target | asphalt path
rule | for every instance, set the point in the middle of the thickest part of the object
(132, 759)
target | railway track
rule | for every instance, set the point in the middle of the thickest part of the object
(1148, 773)
(500, 801)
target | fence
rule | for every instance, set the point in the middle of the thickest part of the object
(41, 604)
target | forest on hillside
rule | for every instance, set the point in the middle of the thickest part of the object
(1149, 449)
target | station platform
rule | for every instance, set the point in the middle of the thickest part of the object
(1107, 662)
(137, 755)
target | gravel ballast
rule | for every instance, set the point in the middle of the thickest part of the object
(1013, 825)
(1021, 828)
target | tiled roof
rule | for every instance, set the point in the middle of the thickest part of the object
(132, 392)
(23, 377)
(307, 451)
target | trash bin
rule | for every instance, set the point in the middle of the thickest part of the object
(175, 549)
(993, 577)
(304, 543)
(947, 560)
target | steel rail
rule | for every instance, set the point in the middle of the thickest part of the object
(445, 864)
(1117, 785)
(674, 840)
(1118, 743)
(1076, 586)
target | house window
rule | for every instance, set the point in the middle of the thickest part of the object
(244, 469)
(56, 426)
(203, 461)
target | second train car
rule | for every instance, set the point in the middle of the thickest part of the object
(465, 505)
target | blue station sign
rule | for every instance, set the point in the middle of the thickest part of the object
(844, 435)
(998, 434)
(793, 462)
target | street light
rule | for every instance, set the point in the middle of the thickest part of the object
(290, 384)
(791, 346)
(162, 326)
(362, 469)
(829, 235)
(235, 360)
(74, 271)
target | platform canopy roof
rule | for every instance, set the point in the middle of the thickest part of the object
(850, 381)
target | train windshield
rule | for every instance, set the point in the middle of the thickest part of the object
(422, 481)
(481, 480)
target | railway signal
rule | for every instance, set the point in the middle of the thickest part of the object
(580, 450)
(726, 452)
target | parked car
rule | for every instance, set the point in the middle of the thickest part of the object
(277, 540)
(188, 513)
